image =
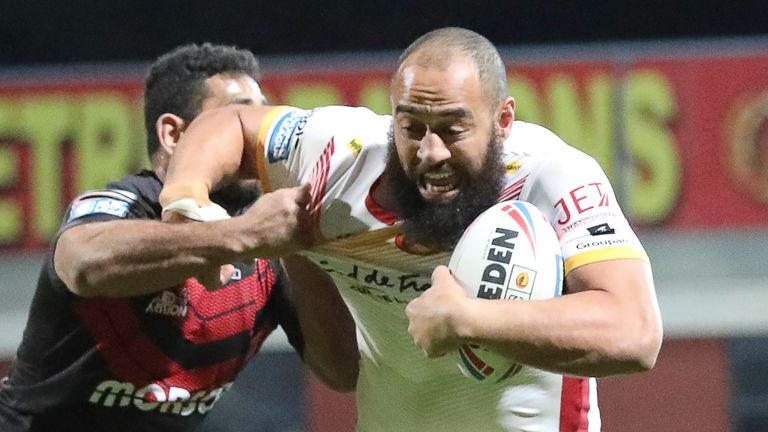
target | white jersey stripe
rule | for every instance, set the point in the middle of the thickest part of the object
(593, 417)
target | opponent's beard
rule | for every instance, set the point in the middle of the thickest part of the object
(440, 225)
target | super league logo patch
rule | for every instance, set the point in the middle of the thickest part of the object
(286, 134)
(98, 205)
(601, 229)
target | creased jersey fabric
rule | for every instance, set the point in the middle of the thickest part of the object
(341, 152)
(153, 362)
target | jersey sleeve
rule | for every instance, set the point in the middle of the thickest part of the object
(103, 205)
(326, 148)
(313, 146)
(95, 206)
(577, 198)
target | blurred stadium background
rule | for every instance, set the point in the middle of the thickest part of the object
(670, 97)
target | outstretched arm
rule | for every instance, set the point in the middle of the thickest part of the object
(134, 257)
(608, 324)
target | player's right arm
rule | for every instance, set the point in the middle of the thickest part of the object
(281, 146)
(218, 146)
(112, 255)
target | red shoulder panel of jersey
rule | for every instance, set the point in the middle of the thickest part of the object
(188, 337)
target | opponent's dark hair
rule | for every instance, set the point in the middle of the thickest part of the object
(435, 49)
(175, 82)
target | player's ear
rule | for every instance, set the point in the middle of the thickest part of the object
(169, 128)
(506, 116)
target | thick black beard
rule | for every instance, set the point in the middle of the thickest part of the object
(440, 225)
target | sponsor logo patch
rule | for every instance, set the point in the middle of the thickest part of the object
(601, 229)
(589, 220)
(355, 146)
(286, 134)
(153, 397)
(602, 243)
(512, 167)
(237, 275)
(520, 283)
(168, 303)
(582, 199)
(99, 205)
(522, 280)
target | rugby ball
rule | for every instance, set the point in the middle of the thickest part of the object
(509, 253)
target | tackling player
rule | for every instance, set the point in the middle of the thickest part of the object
(120, 337)
(390, 196)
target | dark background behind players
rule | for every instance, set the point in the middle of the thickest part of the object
(141, 29)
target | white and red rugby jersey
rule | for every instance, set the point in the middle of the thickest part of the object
(342, 151)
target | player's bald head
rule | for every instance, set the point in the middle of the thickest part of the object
(440, 48)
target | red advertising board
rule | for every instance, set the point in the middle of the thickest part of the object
(684, 138)
(59, 137)
(719, 118)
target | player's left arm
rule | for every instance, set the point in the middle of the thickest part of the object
(328, 338)
(608, 323)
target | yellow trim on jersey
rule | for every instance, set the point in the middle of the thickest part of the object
(261, 162)
(603, 255)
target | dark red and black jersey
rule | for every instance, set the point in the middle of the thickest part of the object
(152, 362)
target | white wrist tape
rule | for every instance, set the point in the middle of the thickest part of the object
(189, 208)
